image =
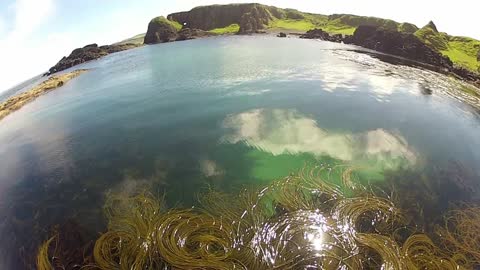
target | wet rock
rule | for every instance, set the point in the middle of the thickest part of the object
(282, 35)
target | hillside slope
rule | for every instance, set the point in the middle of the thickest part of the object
(257, 17)
(253, 18)
(462, 51)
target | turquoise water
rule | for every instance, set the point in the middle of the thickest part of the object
(226, 112)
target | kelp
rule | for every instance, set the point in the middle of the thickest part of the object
(43, 258)
(461, 232)
(69, 248)
(130, 242)
(420, 252)
(304, 221)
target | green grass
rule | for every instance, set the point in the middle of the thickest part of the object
(336, 29)
(436, 40)
(288, 24)
(163, 20)
(407, 28)
(461, 50)
(355, 21)
(138, 39)
(177, 25)
(231, 29)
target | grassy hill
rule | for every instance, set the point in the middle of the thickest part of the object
(235, 18)
(137, 39)
(462, 51)
(335, 24)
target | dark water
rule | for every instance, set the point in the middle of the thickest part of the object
(228, 112)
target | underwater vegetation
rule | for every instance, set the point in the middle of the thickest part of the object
(304, 221)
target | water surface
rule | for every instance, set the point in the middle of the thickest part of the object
(227, 112)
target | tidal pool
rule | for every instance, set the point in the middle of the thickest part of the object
(228, 113)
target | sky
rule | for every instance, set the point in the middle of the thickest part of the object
(35, 34)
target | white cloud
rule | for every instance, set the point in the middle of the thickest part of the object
(30, 14)
(21, 57)
(2, 26)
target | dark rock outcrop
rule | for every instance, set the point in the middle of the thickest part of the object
(399, 44)
(187, 33)
(282, 35)
(320, 34)
(160, 30)
(407, 28)
(251, 17)
(87, 53)
(410, 47)
(431, 25)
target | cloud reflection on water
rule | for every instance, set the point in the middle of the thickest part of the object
(280, 131)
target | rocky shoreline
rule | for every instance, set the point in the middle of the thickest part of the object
(16, 102)
(205, 21)
(87, 53)
(403, 45)
(394, 43)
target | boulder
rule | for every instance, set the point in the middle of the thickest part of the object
(282, 35)
(160, 30)
(320, 34)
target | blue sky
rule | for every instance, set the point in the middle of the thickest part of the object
(35, 34)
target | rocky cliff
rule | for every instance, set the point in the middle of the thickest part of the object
(397, 43)
(408, 46)
(250, 17)
(87, 53)
(161, 30)
(322, 35)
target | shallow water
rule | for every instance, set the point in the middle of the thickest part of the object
(227, 112)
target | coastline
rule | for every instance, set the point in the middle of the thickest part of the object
(16, 102)
(440, 67)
